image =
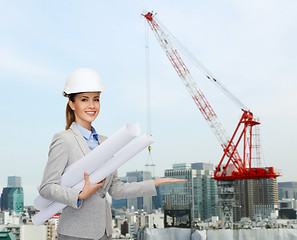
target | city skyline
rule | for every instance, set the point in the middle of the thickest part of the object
(124, 177)
(249, 46)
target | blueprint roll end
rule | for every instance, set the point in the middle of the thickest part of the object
(36, 221)
(134, 129)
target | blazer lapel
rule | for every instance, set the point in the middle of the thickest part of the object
(101, 138)
(82, 143)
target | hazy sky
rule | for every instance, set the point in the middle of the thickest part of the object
(250, 46)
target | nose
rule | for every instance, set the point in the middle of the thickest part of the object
(91, 104)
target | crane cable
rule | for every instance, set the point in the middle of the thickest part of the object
(148, 95)
(148, 87)
(202, 68)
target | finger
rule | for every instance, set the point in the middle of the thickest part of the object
(101, 183)
(172, 179)
(175, 180)
(86, 176)
(180, 180)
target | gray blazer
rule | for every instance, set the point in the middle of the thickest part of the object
(93, 216)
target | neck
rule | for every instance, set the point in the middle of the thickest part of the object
(86, 125)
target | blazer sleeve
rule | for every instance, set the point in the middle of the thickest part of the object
(119, 190)
(50, 187)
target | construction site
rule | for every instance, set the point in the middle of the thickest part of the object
(245, 188)
(221, 113)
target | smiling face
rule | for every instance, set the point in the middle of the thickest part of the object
(86, 107)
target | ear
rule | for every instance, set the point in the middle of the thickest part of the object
(71, 105)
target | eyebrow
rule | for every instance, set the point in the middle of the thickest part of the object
(88, 97)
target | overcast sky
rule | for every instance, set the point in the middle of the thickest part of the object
(250, 46)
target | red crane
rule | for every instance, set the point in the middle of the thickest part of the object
(231, 166)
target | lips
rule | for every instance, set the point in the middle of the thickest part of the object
(92, 113)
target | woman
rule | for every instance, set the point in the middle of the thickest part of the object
(88, 214)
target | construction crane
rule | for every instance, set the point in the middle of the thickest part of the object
(231, 165)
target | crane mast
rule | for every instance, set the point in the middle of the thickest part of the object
(239, 168)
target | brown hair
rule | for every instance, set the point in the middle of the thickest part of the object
(70, 117)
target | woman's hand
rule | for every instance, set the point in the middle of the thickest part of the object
(89, 188)
(161, 181)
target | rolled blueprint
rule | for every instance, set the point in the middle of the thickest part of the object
(109, 167)
(96, 158)
(123, 156)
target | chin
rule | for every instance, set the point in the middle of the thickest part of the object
(92, 120)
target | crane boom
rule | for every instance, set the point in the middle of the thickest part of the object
(195, 92)
(239, 168)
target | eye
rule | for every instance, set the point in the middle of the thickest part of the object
(84, 99)
(97, 100)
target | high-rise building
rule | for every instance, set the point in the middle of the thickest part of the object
(157, 199)
(254, 197)
(202, 166)
(12, 197)
(14, 181)
(287, 190)
(199, 192)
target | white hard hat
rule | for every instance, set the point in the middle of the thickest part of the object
(83, 80)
